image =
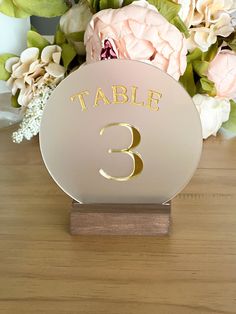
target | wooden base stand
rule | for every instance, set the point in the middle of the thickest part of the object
(120, 219)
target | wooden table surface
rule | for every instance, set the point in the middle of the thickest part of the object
(45, 270)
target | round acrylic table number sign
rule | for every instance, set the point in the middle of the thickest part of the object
(120, 131)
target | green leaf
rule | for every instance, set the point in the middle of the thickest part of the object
(126, 2)
(94, 5)
(59, 37)
(107, 4)
(76, 36)
(68, 54)
(211, 53)
(167, 8)
(8, 8)
(231, 41)
(230, 125)
(187, 80)
(34, 29)
(177, 22)
(200, 67)
(80, 59)
(14, 100)
(43, 8)
(4, 75)
(206, 86)
(196, 54)
(34, 39)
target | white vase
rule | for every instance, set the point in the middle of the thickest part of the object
(13, 39)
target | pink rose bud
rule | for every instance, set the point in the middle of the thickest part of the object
(136, 32)
(222, 71)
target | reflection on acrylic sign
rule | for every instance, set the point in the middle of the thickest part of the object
(120, 131)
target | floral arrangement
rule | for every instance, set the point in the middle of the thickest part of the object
(194, 41)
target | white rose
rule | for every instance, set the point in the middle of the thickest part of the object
(213, 112)
(76, 20)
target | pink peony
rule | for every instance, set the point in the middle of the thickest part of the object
(222, 71)
(136, 32)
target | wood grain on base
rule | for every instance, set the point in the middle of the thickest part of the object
(119, 219)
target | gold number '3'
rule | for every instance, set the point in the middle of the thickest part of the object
(136, 157)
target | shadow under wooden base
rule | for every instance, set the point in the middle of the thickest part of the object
(120, 219)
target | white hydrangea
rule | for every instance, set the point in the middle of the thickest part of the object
(206, 19)
(30, 124)
(33, 69)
